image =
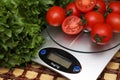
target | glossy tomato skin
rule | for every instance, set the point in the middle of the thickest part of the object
(72, 25)
(115, 6)
(74, 10)
(114, 20)
(101, 33)
(93, 18)
(101, 6)
(55, 16)
(85, 5)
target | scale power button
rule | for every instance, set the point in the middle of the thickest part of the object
(76, 69)
(43, 51)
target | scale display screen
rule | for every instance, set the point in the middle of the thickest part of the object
(60, 60)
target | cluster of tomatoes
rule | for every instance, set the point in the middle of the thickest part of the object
(95, 16)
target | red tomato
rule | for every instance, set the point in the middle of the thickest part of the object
(72, 25)
(101, 33)
(115, 6)
(93, 18)
(74, 10)
(55, 16)
(85, 5)
(114, 20)
(101, 6)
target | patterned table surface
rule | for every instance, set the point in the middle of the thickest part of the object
(38, 72)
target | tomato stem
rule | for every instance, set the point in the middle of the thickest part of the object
(109, 10)
(96, 8)
(98, 38)
(84, 22)
(69, 12)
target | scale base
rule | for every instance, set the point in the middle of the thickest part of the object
(92, 64)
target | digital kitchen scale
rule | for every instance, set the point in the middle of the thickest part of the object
(75, 57)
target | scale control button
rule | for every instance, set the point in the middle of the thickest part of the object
(76, 69)
(43, 51)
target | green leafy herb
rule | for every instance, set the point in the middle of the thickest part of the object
(21, 23)
(20, 29)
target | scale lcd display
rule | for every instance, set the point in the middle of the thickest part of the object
(60, 60)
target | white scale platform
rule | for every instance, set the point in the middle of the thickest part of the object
(93, 58)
